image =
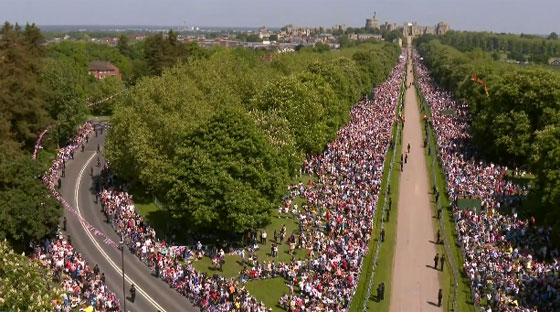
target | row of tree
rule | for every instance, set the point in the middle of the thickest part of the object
(218, 138)
(518, 124)
(516, 47)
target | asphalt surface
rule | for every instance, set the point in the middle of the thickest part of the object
(415, 282)
(152, 294)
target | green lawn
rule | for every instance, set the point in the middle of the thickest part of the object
(464, 297)
(233, 266)
(269, 291)
(384, 268)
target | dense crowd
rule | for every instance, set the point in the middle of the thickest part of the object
(335, 224)
(82, 285)
(510, 261)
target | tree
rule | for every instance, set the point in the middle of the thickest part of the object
(553, 36)
(253, 38)
(546, 164)
(321, 47)
(21, 92)
(26, 285)
(123, 47)
(66, 96)
(27, 210)
(226, 177)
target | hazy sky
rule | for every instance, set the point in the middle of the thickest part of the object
(528, 16)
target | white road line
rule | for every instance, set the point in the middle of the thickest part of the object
(103, 253)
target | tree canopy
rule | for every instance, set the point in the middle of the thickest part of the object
(217, 137)
(24, 283)
(226, 176)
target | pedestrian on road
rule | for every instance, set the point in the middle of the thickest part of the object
(442, 260)
(59, 182)
(436, 260)
(82, 148)
(91, 171)
(157, 270)
(402, 158)
(438, 237)
(98, 162)
(405, 158)
(439, 297)
(408, 147)
(87, 138)
(98, 148)
(133, 293)
(96, 132)
(64, 223)
(103, 277)
(96, 269)
(63, 172)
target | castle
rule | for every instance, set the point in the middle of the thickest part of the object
(408, 29)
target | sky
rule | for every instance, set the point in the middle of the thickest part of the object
(516, 16)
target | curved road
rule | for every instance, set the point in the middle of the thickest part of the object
(152, 293)
(415, 282)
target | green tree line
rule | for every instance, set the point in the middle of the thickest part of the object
(518, 124)
(218, 137)
(516, 47)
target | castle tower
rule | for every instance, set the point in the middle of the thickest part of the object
(372, 23)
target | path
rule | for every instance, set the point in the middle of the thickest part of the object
(415, 282)
(77, 188)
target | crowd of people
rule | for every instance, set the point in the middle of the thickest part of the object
(335, 224)
(510, 261)
(82, 285)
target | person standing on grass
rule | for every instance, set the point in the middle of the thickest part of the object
(263, 237)
(442, 260)
(437, 237)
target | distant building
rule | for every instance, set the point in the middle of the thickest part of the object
(363, 37)
(412, 29)
(372, 23)
(101, 69)
(264, 33)
(441, 28)
(337, 27)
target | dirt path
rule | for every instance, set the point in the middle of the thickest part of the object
(415, 282)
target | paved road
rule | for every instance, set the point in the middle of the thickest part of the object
(77, 188)
(415, 282)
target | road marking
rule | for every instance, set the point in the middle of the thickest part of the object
(103, 253)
